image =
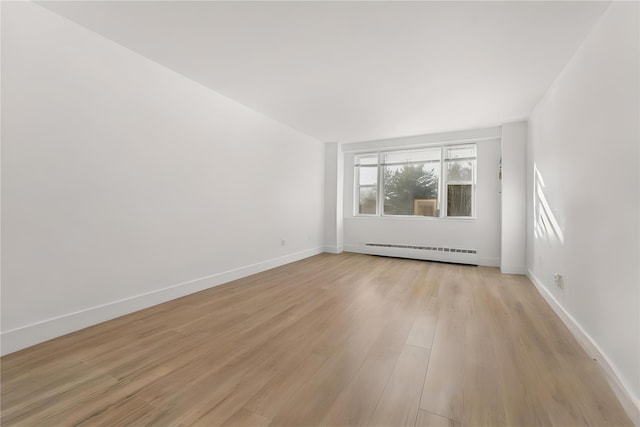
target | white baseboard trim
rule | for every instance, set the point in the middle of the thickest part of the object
(629, 402)
(513, 269)
(333, 249)
(25, 336)
(489, 262)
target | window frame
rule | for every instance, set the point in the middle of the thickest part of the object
(357, 186)
(442, 183)
(473, 182)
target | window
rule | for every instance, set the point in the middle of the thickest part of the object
(429, 182)
(366, 177)
(460, 161)
(411, 182)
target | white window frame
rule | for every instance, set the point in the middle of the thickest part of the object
(442, 183)
(357, 186)
(446, 183)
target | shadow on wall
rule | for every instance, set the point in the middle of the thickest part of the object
(545, 224)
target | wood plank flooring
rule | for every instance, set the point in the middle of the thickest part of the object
(343, 340)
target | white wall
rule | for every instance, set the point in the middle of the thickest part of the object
(333, 173)
(583, 200)
(125, 184)
(514, 201)
(481, 234)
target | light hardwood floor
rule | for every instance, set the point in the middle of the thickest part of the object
(330, 340)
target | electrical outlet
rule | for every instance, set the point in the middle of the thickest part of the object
(558, 280)
(283, 242)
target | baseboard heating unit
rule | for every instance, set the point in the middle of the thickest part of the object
(429, 253)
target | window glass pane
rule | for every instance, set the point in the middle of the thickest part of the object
(460, 152)
(368, 159)
(459, 200)
(411, 189)
(368, 175)
(460, 170)
(425, 155)
(368, 200)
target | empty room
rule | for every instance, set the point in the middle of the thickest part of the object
(320, 213)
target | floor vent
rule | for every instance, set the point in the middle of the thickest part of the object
(424, 248)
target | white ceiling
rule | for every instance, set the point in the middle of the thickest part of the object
(353, 71)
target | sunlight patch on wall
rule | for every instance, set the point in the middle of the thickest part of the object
(545, 223)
